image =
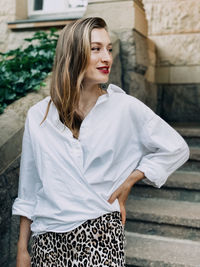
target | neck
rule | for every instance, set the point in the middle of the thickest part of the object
(90, 90)
(90, 93)
(88, 98)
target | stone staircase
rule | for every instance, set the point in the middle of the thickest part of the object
(163, 225)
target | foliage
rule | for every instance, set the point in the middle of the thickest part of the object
(23, 70)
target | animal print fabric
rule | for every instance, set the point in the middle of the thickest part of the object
(95, 243)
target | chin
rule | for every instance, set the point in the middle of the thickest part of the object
(104, 80)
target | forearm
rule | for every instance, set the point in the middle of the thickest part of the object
(135, 177)
(24, 234)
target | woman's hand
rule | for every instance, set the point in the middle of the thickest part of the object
(23, 258)
(122, 192)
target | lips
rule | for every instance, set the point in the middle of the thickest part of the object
(104, 69)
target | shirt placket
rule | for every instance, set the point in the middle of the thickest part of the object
(78, 153)
(77, 144)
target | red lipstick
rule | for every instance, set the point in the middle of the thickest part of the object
(104, 69)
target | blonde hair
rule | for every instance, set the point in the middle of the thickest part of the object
(71, 60)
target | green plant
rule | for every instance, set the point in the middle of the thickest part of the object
(23, 70)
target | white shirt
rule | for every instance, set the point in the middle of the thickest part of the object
(65, 181)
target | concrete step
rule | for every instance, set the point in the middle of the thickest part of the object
(187, 130)
(156, 251)
(180, 185)
(184, 180)
(163, 217)
(165, 211)
(165, 230)
(195, 153)
(190, 132)
(166, 193)
(191, 165)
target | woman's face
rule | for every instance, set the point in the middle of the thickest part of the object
(100, 62)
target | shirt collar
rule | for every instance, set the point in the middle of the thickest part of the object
(114, 89)
(110, 90)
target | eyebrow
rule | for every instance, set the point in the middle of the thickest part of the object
(99, 43)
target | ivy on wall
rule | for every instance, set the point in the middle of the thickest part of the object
(23, 70)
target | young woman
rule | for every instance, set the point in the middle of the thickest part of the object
(83, 150)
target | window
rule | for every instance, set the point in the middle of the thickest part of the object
(66, 9)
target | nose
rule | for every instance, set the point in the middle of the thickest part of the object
(106, 56)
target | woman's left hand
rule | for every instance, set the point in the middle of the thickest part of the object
(122, 192)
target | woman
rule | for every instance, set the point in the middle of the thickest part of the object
(83, 150)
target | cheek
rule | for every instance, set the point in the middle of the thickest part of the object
(94, 59)
(111, 60)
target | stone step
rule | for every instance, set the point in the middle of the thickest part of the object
(181, 179)
(181, 213)
(166, 193)
(166, 230)
(195, 153)
(164, 217)
(190, 132)
(180, 185)
(184, 180)
(191, 165)
(187, 130)
(157, 251)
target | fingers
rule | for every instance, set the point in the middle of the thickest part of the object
(112, 198)
(123, 213)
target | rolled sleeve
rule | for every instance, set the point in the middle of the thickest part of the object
(166, 151)
(24, 204)
(23, 208)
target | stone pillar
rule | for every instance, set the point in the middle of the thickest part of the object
(174, 26)
(126, 19)
(7, 13)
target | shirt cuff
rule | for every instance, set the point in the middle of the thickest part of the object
(155, 178)
(23, 208)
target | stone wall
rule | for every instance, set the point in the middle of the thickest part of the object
(7, 13)
(12, 123)
(174, 27)
(179, 102)
(10, 10)
(8, 225)
(135, 64)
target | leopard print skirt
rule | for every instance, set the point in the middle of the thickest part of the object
(95, 243)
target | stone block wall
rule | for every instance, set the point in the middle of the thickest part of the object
(8, 224)
(12, 124)
(7, 13)
(179, 102)
(173, 16)
(11, 10)
(174, 27)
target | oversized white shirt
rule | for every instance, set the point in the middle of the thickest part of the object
(65, 181)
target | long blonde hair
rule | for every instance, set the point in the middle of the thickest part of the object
(71, 60)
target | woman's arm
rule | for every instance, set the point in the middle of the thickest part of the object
(23, 257)
(24, 204)
(123, 191)
(166, 151)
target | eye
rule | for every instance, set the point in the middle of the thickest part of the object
(95, 49)
(110, 50)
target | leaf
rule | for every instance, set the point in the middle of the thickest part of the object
(23, 70)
